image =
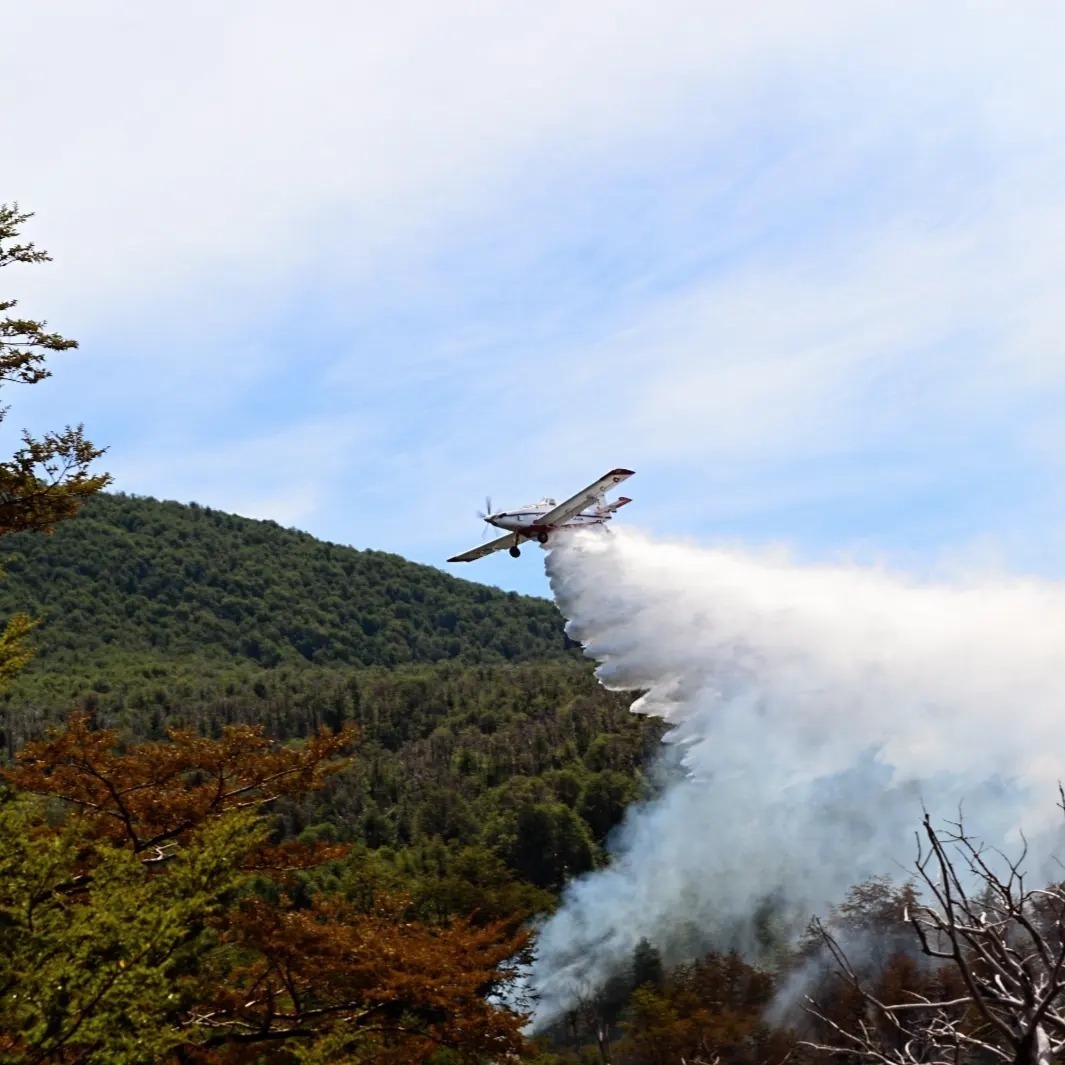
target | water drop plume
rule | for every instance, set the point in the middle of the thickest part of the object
(814, 711)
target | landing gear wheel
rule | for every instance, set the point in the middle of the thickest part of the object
(515, 551)
(542, 537)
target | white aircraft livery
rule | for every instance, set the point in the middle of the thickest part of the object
(537, 521)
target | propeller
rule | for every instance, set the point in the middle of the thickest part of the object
(482, 514)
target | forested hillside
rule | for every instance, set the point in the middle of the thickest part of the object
(430, 763)
(535, 760)
(134, 575)
(157, 614)
(487, 766)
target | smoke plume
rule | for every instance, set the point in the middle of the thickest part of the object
(814, 711)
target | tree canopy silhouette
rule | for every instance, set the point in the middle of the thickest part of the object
(48, 477)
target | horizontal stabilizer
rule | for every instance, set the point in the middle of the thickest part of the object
(587, 497)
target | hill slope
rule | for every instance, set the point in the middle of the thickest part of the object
(484, 736)
(135, 575)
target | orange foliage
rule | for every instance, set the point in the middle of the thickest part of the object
(711, 1010)
(401, 989)
(152, 794)
(365, 986)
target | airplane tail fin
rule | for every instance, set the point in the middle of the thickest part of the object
(610, 508)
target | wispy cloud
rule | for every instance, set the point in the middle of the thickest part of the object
(798, 266)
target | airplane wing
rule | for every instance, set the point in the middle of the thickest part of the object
(475, 553)
(584, 498)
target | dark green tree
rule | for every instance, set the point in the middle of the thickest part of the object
(605, 799)
(544, 843)
(48, 477)
(647, 966)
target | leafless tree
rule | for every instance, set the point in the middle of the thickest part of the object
(1004, 939)
(591, 1009)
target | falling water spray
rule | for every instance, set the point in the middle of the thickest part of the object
(814, 710)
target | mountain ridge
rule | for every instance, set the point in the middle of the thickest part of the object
(137, 574)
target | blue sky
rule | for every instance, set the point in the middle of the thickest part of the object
(353, 268)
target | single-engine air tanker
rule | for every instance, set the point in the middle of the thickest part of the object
(537, 521)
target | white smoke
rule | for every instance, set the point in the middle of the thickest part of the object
(816, 708)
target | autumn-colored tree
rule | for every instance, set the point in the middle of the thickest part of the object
(710, 1011)
(147, 915)
(871, 925)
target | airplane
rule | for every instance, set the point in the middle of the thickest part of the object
(537, 521)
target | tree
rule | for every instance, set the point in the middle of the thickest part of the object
(152, 917)
(998, 992)
(544, 843)
(712, 1010)
(96, 953)
(604, 801)
(48, 477)
(647, 966)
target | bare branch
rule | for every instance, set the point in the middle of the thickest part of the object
(1003, 939)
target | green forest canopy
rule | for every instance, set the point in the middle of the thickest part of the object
(132, 574)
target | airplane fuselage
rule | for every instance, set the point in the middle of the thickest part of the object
(526, 519)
